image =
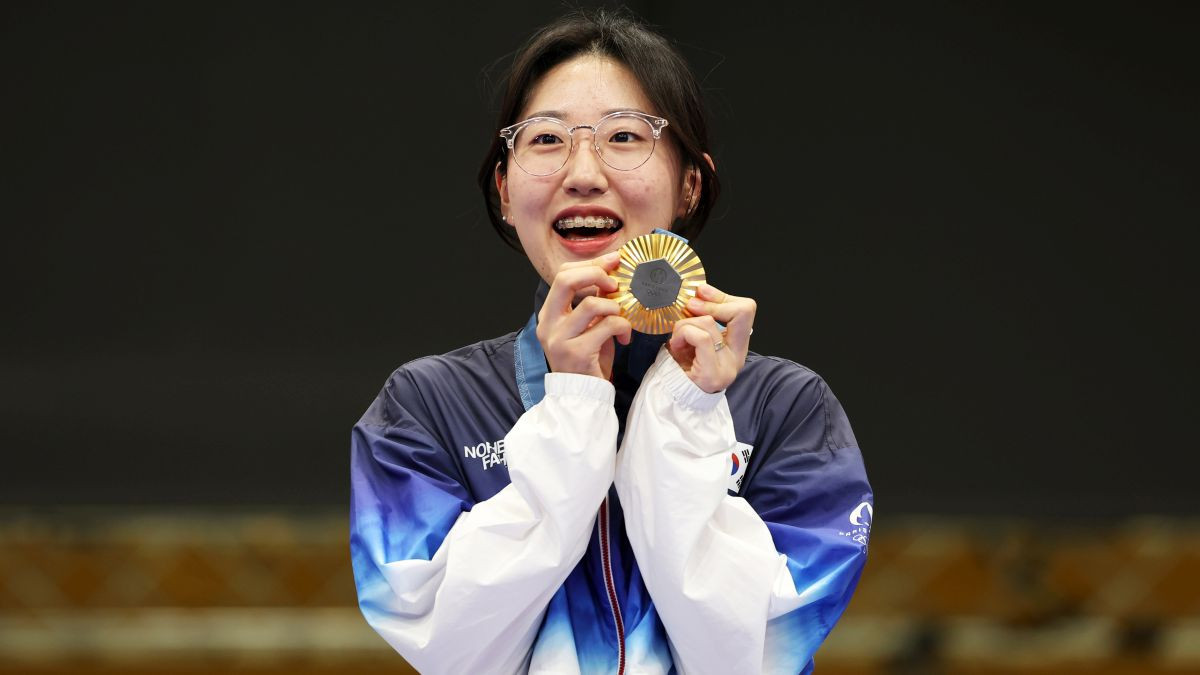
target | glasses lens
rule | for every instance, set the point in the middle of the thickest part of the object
(625, 141)
(542, 147)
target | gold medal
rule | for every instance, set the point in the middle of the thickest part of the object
(658, 274)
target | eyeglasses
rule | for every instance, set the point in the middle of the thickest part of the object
(624, 140)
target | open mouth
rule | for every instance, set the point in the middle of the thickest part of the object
(582, 228)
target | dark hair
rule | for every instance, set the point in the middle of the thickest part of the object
(657, 65)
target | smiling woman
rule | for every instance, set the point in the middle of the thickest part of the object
(617, 177)
(631, 69)
(621, 501)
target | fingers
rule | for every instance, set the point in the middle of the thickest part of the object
(735, 312)
(587, 311)
(573, 278)
(575, 326)
(604, 330)
(586, 292)
(695, 339)
(693, 344)
(696, 331)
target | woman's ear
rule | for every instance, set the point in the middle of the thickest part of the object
(687, 193)
(692, 186)
(502, 189)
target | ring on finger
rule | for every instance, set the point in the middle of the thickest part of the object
(718, 345)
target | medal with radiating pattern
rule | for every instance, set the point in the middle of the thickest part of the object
(658, 274)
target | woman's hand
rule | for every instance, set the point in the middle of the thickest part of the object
(710, 357)
(575, 326)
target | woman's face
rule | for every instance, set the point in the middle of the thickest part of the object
(581, 91)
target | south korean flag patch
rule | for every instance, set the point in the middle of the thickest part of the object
(739, 459)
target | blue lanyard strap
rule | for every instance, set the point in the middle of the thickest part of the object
(530, 362)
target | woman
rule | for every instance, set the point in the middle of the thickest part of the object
(577, 497)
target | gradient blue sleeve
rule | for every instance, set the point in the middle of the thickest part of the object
(810, 488)
(405, 491)
(462, 587)
(769, 572)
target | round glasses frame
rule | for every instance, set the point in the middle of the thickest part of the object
(657, 124)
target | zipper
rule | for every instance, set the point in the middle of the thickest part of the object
(611, 586)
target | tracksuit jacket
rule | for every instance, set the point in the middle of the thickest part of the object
(506, 519)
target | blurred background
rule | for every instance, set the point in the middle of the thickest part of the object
(226, 223)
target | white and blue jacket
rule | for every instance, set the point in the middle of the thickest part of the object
(505, 519)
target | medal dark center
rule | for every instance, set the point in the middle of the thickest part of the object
(655, 284)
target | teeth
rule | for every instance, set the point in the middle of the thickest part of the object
(586, 221)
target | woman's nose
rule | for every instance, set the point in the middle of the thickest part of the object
(584, 172)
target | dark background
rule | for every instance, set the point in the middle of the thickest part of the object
(226, 223)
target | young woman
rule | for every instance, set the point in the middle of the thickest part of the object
(579, 498)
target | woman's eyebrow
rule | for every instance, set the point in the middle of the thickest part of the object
(559, 114)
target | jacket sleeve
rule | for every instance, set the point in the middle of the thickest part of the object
(742, 588)
(458, 587)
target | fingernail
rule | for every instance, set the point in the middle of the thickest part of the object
(695, 304)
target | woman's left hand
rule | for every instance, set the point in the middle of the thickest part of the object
(710, 357)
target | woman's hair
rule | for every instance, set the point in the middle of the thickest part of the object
(657, 65)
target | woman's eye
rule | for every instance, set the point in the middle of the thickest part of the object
(623, 137)
(545, 139)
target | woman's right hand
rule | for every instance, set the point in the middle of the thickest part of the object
(575, 326)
